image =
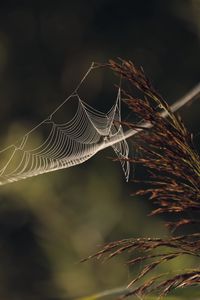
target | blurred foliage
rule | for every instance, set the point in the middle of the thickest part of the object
(49, 223)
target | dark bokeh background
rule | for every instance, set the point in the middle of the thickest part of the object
(48, 223)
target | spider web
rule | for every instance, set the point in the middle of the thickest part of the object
(67, 144)
(74, 142)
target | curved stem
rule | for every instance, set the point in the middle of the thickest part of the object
(193, 94)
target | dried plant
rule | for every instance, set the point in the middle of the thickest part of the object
(172, 166)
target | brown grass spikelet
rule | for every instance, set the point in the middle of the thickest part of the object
(172, 165)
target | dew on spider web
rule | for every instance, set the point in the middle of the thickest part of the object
(61, 141)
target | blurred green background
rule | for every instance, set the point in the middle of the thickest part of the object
(49, 223)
